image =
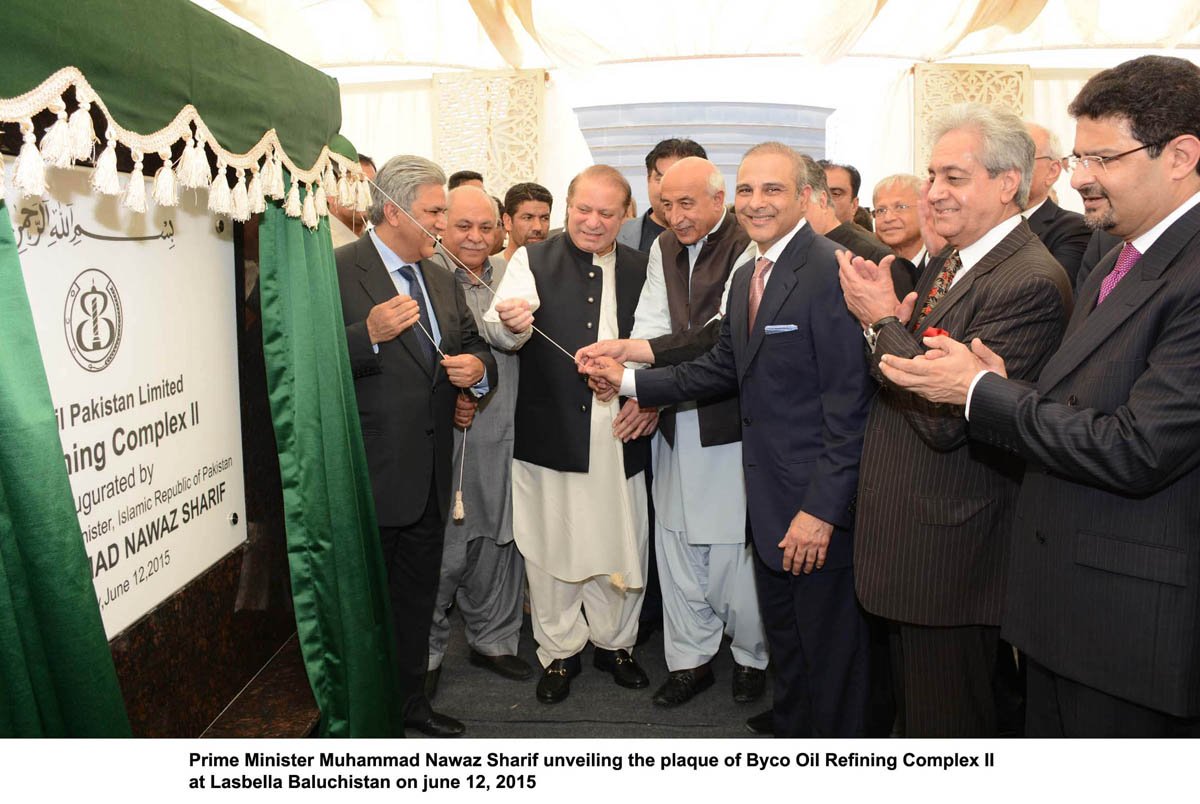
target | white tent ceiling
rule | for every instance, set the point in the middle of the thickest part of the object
(853, 57)
(394, 39)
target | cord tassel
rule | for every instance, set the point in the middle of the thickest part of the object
(254, 194)
(364, 195)
(135, 190)
(166, 184)
(218, 191)
(83, 134)
(56, 142)
(30, 174)
(291, 207)
(275, 189)
(308, 215)
(104, 177)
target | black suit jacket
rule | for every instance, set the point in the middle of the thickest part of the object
(1104, 586)
(934, 510)
(405, 407)
(804, 392)
(866, 245)
(1064, 234)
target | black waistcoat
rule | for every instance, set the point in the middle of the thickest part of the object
(554, 404)
(691, 307)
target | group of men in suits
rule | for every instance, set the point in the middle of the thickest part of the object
(982, 457)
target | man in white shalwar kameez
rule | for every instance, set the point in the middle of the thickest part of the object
(579, 496)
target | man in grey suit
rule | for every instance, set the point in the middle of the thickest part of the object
(1104, 588)
(640, 232)
(482, 570)
(397, 306)
(933, 509)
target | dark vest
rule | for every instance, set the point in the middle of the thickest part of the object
(554, 403)
(720, 421)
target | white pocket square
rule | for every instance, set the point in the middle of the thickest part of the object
(775, 329)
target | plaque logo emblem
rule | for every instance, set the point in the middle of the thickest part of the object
(93, 320)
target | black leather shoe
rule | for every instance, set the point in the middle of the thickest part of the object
(437, 725)
(508, 666)
(683, 685)
(763, 723)
(555, 683)
(431, 682)
(624, 668)
(749, 683)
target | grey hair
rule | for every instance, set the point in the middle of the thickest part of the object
(715, 183)
(1006, 143)
(906, 180)
(1053, 145)
(817, 179)
(802, 175)
(401, 178)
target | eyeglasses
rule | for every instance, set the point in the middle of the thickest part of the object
(1088, 162)
(899, 209)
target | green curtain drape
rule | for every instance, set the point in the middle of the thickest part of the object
(56, 672)
(338, 581)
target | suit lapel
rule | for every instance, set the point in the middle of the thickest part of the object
(1003, 250)
(1040, 220)
(1095, 323)
(781, 282)
(378, 285)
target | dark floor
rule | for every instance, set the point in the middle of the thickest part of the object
(494, 707)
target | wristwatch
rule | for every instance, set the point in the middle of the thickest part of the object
(872, 332)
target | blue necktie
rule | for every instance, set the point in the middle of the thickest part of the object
(418, 295)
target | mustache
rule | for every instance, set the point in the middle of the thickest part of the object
(1092, 192)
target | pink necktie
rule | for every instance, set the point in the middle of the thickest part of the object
(762, 267)
(1125, 262)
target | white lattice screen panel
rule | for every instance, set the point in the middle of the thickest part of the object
(940, 85)
(488, 122)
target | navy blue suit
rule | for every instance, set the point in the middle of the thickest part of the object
(804, 392)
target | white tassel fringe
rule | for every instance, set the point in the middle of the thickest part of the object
(308, 214)
(291, 207)
(104, 178)
(239, 205)
(30, 174)
(364, 195)
(166, 184)
(83, 135)
(254, 194)
(135, 190)
(218, 191)
(56, 142)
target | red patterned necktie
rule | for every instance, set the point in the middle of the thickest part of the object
(940, 285)
(1125, 262)
(762, 267)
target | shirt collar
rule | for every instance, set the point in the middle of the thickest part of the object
(1143, 243)
(975, 252)
(1031, 211)
(700, 243)
(391, 260)
(774, 252)
(469, 279)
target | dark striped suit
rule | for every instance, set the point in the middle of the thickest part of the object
(1104, 585)
(934, 510)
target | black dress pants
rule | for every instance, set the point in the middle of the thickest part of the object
(413, 558)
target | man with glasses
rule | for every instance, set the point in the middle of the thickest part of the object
(824, 221)
(898, 224)
(1104, 587)
(934, 510)
(1063, 232)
